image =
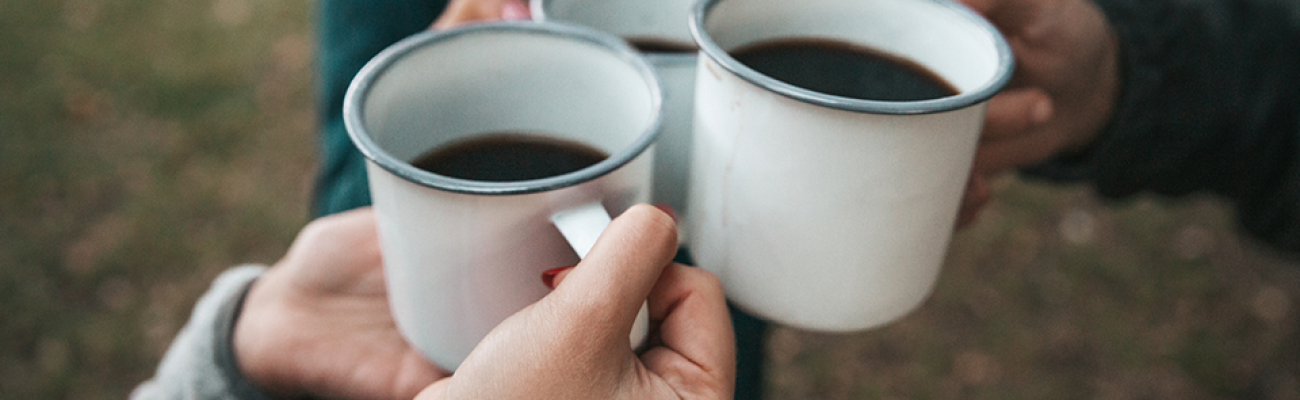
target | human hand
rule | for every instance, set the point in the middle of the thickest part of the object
(318, 323)
(460, 12)
(573, 344)
(1061, 96)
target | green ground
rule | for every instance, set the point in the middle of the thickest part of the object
(149, 144)
(146, 146)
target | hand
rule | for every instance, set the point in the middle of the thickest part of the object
(573, 344)
(460, 12)
(1063, 92)
(318, 322)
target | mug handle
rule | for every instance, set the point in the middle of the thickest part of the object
(581, 226)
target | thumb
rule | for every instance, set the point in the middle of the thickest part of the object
(610, 285)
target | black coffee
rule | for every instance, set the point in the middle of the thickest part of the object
(843, 69)
(509, 156)
(649, 45)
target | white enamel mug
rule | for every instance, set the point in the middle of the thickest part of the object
(462, 255)
(655, 25)
(660, 29)
(824, 212)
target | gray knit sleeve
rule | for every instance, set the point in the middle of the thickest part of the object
(200, 364)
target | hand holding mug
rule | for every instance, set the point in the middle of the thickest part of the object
(572, 344)
(318, 322)
(465, 232)
(822, 204)
(1063, 92)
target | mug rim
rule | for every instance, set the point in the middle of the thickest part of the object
(354, 101)
(537, 9)
(1006, 65)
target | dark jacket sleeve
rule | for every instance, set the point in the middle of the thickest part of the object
(1210, 103)
(351, 33)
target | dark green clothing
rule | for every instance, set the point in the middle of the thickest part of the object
(351, 33)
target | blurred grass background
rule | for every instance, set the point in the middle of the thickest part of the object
(146, 145)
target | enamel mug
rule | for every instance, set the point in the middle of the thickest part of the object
(660, 30)
(824, 212)
(461, 255)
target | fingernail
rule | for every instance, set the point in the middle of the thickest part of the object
(548, 276)
(667, 209)
(1042, 112)
(515, 10)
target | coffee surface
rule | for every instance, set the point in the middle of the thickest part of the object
(508, 157)
(843, 69)
(650, 45)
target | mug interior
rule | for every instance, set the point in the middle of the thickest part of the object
(558, 81)
(943, 36)
(659, 20)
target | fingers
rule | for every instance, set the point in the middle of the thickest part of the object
(1002, 155)
(695, 324)
(460, 12)
(691, 307)
(415, 374)
(515, 10)
(574, 341)
(694, 334)
(1013, 119)
(977, 195)
(338, 236)
(335, 253)
(1010, 16)
(984, 7)
(609, 286)
(329, 232)
(1014, 112)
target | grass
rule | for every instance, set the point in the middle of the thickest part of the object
(147, 146)
(150, 144)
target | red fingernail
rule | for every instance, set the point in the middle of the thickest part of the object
(667, 209)
(548, 276)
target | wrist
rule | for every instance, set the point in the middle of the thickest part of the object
(250, 352)
(223, 344)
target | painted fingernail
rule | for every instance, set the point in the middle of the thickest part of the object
(667, 209)
(548, 276)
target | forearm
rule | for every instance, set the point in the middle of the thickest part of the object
(1210, 103)
(200, 363)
